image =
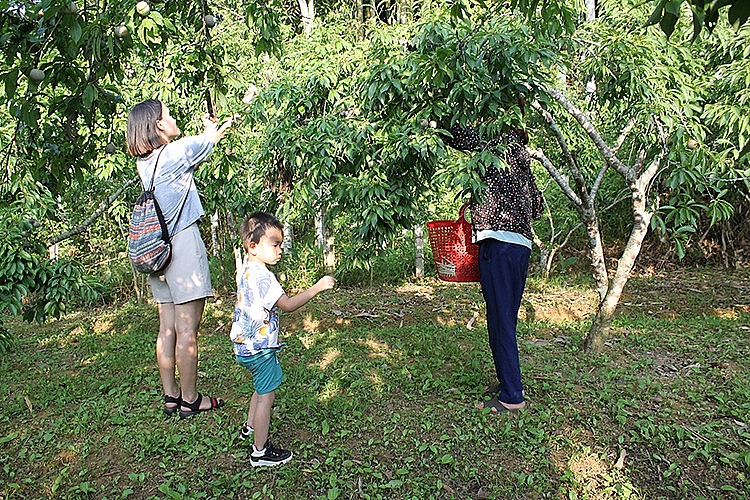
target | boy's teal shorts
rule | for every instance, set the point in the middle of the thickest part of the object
(265, 368)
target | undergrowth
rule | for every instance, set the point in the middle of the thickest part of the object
(378, 400)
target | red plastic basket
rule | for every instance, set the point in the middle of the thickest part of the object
(456, 257)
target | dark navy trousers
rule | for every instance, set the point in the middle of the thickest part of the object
(503, 268)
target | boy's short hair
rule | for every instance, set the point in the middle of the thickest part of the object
(255, 226)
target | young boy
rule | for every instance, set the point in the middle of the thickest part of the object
(255, 330)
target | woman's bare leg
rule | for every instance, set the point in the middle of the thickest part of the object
(187, 318)
(165, 350)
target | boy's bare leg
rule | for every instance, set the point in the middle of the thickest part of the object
(165, 349)
(262, 418)
(251, 410)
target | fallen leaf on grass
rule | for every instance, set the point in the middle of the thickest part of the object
(366, 315)
(545, 342)
(621, 461)
(470, 324)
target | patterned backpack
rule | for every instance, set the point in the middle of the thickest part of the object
(149, 242)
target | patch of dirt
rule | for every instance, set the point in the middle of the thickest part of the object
(446, 304)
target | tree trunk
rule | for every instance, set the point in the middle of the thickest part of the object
(600, 327)
(418, 251)
(590, 10)
(641, 219)
(288, 242)
(215, 233)
(329, 256)
(307, 10)
(323, 238)
(238, 257)
(320, 224)
(596, 252)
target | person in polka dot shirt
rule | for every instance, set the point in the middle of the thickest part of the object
(501, 219)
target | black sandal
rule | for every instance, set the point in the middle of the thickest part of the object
(171, 410)
(492, 391)
(195, 406)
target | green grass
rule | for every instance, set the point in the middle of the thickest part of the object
(378, 400)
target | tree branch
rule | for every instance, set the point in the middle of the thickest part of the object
(539, 156)
(575, 170)
(588, 127)
(103, 206)
(615, 148)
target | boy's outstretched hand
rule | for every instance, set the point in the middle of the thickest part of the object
(289, 304)
(325, 283)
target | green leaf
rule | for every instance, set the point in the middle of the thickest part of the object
(673, 7)
(698, 19)
(89, 96)
(739, 13)
(11, 83)
(76, 31)
(657, 13)
(667, 23)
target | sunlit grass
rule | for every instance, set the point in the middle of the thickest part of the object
(378, 401)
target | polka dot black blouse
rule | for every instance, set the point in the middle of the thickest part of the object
(511, 199)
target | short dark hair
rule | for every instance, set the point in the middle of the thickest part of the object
(143, 136)
(255, 226)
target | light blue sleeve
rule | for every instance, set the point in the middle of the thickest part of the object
(194, 148)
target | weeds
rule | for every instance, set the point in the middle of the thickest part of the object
(378, 402)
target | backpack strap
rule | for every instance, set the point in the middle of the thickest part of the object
(153, 180)
(153, 174)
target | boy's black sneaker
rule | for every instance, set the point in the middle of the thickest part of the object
(245, 432)
(271, 456)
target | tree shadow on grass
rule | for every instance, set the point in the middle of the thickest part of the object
(378, 401)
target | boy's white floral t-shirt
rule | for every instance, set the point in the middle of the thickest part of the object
(256, 320)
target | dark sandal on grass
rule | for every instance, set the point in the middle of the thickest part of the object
(195, 406)
(171, 400)
(492, 391)
(496, 406)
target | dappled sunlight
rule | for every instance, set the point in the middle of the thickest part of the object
(376, 381)
(328, 358)
(414, 288)
(65, 456)
(92, 359)
(589, 471)
(64, 339)
(309, 324)
(103, 326)
(377, 349)
(730, 312)
(306, 339)
(330, 390)
(445, 319)
(587, 468)
(559, 306)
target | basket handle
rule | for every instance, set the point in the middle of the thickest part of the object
(461, 212)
